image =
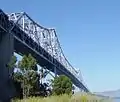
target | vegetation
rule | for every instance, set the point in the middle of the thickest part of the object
(12, 62)
(27, 74)
(66, 98)
(11, 65)
(62, 85)
(27, 81)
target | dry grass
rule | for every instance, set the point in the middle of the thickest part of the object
(66, 98)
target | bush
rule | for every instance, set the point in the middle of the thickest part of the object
(62, 85)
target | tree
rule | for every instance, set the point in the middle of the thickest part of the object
(27, 75)
(12, 62)
(15, 77)
(27, 79)
(62, 85)
(11, 65)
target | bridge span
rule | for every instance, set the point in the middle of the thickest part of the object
(20, 34)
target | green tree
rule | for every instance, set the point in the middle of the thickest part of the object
(27, 75)
(11, 65)
(62, 85)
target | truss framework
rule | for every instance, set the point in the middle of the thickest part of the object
(45, 37)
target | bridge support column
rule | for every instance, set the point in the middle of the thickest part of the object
(6, 52)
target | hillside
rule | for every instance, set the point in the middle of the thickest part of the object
(115, 93)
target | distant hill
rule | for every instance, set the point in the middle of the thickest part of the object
(115, 94)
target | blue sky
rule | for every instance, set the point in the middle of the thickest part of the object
(89, 32)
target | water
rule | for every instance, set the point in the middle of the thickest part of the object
(116, 100)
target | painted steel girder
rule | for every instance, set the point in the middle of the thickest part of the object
(46, 38)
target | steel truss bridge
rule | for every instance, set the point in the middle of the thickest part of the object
(41, 42)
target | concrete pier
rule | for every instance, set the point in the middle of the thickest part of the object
(6, 51)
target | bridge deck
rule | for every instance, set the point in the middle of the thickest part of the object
(28, 45)
(43, 58)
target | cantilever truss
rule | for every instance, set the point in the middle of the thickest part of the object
(46, 38)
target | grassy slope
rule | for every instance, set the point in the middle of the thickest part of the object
(65, 98)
